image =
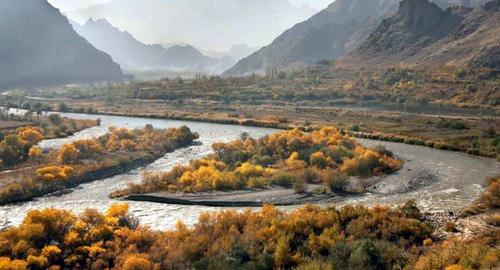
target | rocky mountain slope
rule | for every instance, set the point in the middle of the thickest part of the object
(39, 47)
(443, 4)
(422, 34)
(331, 33)
(133, 55)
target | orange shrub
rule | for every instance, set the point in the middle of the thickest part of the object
(67, 154)
(30, 135)
(35, 152)
(281, 158)
(128, 145)
(137, 262)
(55, 173)
(268, 238)
(88, 147)
(318, 159)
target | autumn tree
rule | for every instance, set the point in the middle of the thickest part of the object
(30, 136)
(67, 154)
(35, 152)
(137, 262)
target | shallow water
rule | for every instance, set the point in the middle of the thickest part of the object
(442, 180)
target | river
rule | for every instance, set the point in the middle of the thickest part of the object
(438, 180)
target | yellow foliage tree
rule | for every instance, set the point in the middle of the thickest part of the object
(30, 135)
(67, 154)
(318, 159)
(55, 173)
(35, 152)
(137, 262)
(128, 145)
(8, 264)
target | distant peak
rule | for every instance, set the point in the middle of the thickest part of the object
(185, 47)
(493, 5)
(102, 21)
(408, 7)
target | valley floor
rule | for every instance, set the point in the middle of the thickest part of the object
(472, 134)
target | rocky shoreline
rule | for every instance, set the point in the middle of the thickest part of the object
(277, 196)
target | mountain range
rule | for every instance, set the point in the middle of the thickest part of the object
(329, 34)
(346, 25)
(134, 55)
(208, 24)
(424, 35)
(237, 52)
(39, 47)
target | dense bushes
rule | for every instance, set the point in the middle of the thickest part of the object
(121, 141)
(353, 237)
(283, 158)
(459, 255)
(227, 240)
(489, 199)
(16, 145)
(55, 173)
(86, 160)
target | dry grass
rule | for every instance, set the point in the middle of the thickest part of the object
(6, 125)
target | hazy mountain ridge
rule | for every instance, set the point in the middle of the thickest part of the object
(39, 47)
(423, 34)
(207, 24)
(134, 55)
(237, 52)
(329, 34)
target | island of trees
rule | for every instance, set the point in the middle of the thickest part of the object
(288, 159)
(18, 133)
(119, 150)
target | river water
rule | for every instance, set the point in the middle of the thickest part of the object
(438, 180)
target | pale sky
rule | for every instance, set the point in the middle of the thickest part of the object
(69, 5)
(317, 4)
(207, 24)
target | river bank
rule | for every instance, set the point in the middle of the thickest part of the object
(472, 135)
(456, 178)
(276, 196)
(381, 136)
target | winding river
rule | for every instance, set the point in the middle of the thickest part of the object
(438, 180)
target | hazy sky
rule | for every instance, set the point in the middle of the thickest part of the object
(206, 24)
(317, 4)
(69, 5)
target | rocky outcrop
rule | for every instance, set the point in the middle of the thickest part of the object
(416, 24)
(422, 34)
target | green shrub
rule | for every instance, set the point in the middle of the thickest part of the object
(300, 185)
(336, 181)
(283, 179)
